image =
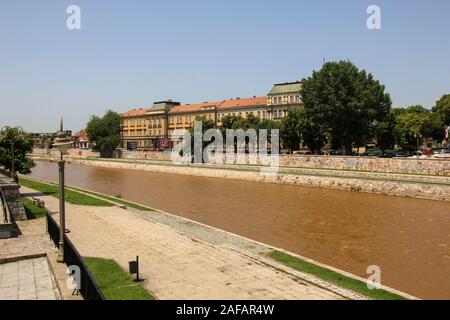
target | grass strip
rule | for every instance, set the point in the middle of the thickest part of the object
(115, 283)
(115, 199)
(333, 277)
(32, 210)
(71, 196)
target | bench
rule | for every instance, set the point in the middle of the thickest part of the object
(38, 202)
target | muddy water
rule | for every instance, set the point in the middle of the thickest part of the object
(409, 239)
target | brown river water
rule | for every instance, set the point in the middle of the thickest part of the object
(409, 239)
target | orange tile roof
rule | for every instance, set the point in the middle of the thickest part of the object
(134, 112)
(81, 134)
(245, 102)
(194, 107)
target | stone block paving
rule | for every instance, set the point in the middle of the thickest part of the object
(27, 280)
(174, 265)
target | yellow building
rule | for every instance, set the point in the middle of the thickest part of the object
(157, 117)
(134, 129)
(146, 128)
(151, 128)
(283, 97)
(183, 116)
(256, 106)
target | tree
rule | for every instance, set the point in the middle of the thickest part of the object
(234, 122)
(104, 133)
(344, 101)
(384, 132)
(442, 109)
(411, 124)
(23, 145)
(291, 134)
(297, 127)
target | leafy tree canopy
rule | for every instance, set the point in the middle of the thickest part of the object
(442, 109)
(23, 145)
(104, 132)
(344, 101)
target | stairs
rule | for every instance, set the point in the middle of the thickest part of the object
(6, 225)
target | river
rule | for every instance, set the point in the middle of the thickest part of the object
(409, 239)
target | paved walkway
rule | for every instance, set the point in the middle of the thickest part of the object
(27, 280)
(174, 265)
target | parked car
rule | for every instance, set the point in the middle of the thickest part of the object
(401, 154)
(336, 153)
(379, 153)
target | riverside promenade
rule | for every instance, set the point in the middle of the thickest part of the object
(178, 266)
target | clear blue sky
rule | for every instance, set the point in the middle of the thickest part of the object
(131, 53)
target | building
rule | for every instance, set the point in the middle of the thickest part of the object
(134, 129)
(151, 128)
(146, 128)
(256, 106)
(183, 116)
(81, 140)
(283, 97)
(157, 119)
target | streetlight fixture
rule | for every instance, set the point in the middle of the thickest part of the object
(62, 143)
(417, 136)
(13, 160)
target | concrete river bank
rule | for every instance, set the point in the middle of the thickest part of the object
(409, 239)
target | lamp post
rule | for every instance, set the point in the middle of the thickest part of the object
(62, 143)
(417, 136)
(13, 160)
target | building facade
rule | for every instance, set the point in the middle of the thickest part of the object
(134, 134)
(81, 140)
(256, 106)
(157, 117)
(283, 97)
(154, 128)
(183, 116)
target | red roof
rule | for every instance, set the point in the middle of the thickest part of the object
(245, 102)
(82, 134)
(194, 107)
(134, 112)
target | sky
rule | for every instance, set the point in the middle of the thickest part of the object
(131, 53)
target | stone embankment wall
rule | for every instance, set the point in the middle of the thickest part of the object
(12, 196)
(434, 191)
(44, 152)
(431, 166)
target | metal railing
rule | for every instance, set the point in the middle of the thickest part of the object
(5, 208)
(89, 288)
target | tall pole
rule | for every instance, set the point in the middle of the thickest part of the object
(62, 144)
(13, 174)
(62, 210)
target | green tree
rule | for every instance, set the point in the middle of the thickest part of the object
(104, 132)
(442, 109)
(344, 101)
(291, 133)
(384, 132)
(234, 122)
(23, 145)
(252, 121)
(410, 124)
(296, 127)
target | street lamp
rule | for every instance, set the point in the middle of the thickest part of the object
(62, 143)
(13, 160)
(417, 136)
